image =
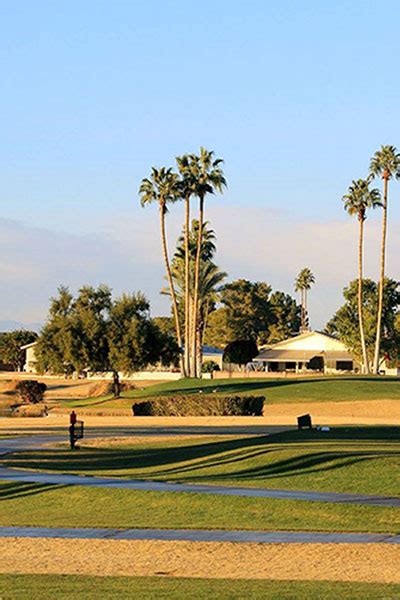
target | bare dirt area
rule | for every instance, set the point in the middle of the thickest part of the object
(359, 412)
(334, 562)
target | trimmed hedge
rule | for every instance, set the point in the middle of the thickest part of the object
(200, 406)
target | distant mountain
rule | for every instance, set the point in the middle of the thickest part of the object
(11, 325)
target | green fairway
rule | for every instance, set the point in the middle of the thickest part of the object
(345, 459)
(40, 587)
(30, 504)
(291, 389)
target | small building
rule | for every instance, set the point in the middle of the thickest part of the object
(309, 351)
(30, 357)
(211, 354)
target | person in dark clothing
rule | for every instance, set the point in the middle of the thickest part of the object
(72, 421)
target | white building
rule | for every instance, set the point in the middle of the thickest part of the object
(30, 357)
(310, 351)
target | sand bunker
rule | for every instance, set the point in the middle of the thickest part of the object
(334, 562)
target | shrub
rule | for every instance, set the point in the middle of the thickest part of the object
(31, 391)
(201, 406)
(209, 367)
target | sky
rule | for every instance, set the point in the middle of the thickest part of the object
(295, 96)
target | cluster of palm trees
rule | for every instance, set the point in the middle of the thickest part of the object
(385, 164)
(302, 284)
(196, 177)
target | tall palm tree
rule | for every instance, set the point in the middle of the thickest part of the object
(385, 164)
(188, 188)
(356, 202)
(303, 283)
(162, 187)
(209, 178)
(210, 278)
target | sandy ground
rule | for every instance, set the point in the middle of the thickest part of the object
(371, 412)
(335, 562)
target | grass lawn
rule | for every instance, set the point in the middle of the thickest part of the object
(38, 505)
(39, 587)
(313, 389)
(346, 459)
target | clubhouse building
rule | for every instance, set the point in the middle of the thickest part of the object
(309, 351)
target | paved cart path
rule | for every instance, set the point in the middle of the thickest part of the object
(199, 535)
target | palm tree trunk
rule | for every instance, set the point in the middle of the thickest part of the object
(382, 279)
(195, 316)
(187, 288)
(171, 287)
(366, 368)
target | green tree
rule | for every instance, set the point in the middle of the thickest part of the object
(10, 347)
(218, 332)
(344, 324)
(96, 333)
(162, 187)
(134, 341)
(248, 309)
(209, 177)
(240, 352)
(357, 201)
(53, 350)
(285, 319)
(89, 322)
(385, 164)
(303, 284)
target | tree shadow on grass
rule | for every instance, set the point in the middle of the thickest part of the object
(13, 490)
(243, 459)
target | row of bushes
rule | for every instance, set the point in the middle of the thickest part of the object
(204, 406)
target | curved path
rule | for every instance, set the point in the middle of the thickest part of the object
(31, 442)
(200, 535)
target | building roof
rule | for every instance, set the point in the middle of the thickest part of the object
(211, 350)
(28, 346)
(304, 347)
(299, 355)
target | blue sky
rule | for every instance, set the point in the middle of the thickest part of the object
(295, 96)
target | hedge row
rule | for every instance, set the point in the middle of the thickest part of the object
(203, 406)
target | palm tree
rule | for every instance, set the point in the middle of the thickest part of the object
(356, 202)
(188, 188)
(210, 278)
(385, 164)
(162, 187)
(302, 284)
(209, 178)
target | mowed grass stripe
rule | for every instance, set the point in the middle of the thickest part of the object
(37, 505)
(60, 587)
